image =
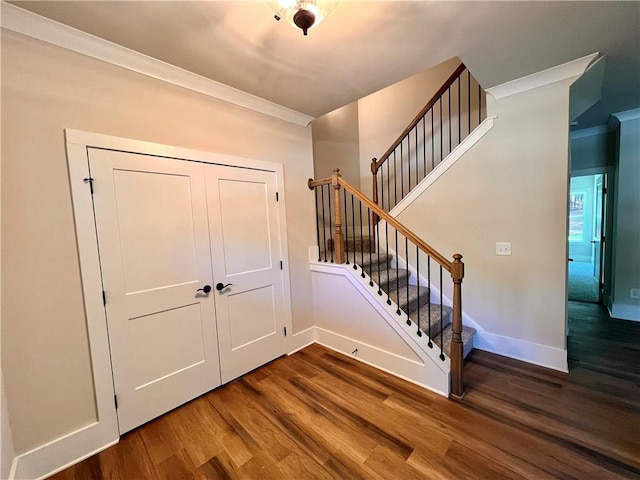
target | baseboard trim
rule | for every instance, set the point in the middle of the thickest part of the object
(63, 452)
(406, 369)
(530, 352)
(625, 312)
(301, 340)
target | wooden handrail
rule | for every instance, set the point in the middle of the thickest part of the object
(426, 248)
(317, 183)
(375, 164)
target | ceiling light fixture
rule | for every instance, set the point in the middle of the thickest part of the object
(303, 14)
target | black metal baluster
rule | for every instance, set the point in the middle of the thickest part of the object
(401, 172)
(479, 104)
(430, 343)
(386, 228)
(441, 320)
(315, 191)
(333, 244)
(361, 241)
(346, 226)
(406, 262)
(324, 226)
(441, 133)
(469, 98)
(416, 147)
(353, 229)
(378, 253)
(370, 253)
(433, 152)
(388, 187)
(424, 146)
(398, 311)
(418, 285)
(408, 160)
(459, 112)
(395, 181)
(449, 122)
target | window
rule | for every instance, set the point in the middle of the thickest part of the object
(576, 216)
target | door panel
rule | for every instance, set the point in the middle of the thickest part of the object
(153, 236)
(246, 253)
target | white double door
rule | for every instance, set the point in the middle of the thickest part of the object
(168, 230)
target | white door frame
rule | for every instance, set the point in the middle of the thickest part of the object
(105, 431)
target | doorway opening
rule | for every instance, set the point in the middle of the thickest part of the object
(587, 225)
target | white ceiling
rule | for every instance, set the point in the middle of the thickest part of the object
(365, 46)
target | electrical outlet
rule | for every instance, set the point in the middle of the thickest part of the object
(635, 293)
(503, 248)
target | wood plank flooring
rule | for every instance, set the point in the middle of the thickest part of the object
(320, 415)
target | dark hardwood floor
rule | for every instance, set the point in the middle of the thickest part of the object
(319, 414)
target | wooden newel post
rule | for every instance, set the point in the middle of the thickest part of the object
(457, 274)
(338, 238)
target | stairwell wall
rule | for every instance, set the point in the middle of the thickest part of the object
(512, 186)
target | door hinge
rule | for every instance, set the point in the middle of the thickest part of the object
(604, 190)
(104, 298)
(285, 331)
(89, 180)
(277, 197)
(281, 265)
(115, 401)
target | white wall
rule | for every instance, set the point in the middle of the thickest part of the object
(512, 186)
(45, 89)
(336, 144)
(626, 263)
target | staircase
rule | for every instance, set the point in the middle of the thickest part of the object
(413, 300)
(344, 214)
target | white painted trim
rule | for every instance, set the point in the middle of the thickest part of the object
(628, 115)
(14, 468)
(567, 70)
(538, 354)
(590, 132)
(382, 360)
(388, 312)
(61, 453)
(457, 153)
(624, 311)
(301, 340)
(30, 24)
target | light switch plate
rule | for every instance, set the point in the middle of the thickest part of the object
(503, 248)
(635, 293)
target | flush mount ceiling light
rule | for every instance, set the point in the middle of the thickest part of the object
(303, 14)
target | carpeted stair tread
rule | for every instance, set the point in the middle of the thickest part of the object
(467, 340)
(387, 279)
(431, 314)
(365, 261)
(414, 294)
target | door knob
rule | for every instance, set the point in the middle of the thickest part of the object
(220, 286)
(205, 289)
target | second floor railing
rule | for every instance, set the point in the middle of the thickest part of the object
(400, 266)
(453, 112)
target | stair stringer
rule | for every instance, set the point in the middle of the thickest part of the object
(425, 369)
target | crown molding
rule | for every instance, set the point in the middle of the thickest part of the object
(545, 77)
(627, 115)
(27, 23)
